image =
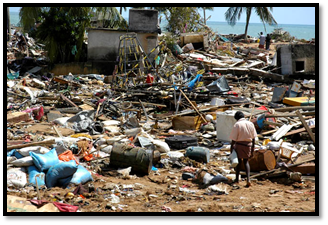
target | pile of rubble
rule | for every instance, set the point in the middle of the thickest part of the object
(66, 131)
(25, 55)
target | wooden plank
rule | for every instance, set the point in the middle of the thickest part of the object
(305, 125)
(17, 117)
(306, 168)
(48, 142)
(278, 169)
(305, 158)
(147, 103)
(298, 130)
(186, 123)
(195, 108)
(143, 108)
(68, 101)
(294, 108)
(269, 132)
(289, 115)
(272, 123)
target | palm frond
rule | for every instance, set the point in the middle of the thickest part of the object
(28, 16)
(233, 14)
(265, 16)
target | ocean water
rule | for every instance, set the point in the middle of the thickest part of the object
(14, 18)
(306, 32)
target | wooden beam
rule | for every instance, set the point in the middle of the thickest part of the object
(289, 115)
(147, 103)
(298, 130)
(68, 101)
(305, 125)
(273, 123)
(294, 108)
(143, 107)
(48, 142)
(195, 108)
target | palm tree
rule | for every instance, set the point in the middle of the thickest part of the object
(204, 9)
(29, 15)
(121, 10)
(233, 14)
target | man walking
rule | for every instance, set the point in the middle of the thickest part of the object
(242, 138)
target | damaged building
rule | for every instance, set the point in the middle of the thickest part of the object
(103, 43)
(296, 58)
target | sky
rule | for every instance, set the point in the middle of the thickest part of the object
(283, 15)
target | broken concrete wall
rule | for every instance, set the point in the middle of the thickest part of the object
(83, 68)
(103, 44)
(197, 39)
(296, 58)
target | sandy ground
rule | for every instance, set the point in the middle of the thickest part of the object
(160, 189)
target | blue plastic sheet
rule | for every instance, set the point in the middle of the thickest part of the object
(194, 81)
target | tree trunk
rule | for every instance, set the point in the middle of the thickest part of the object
(121, 10)
(248, 16)
(204, 16)
(8, 25)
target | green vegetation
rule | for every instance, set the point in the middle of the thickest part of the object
(62, 29)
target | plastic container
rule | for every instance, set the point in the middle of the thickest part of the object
(287, 150)
(224, 124)
(198, 153)
(233, 159)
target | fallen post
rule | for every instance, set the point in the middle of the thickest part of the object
(289, 115)
(305, 125)
(194, 107)
(48, 142)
